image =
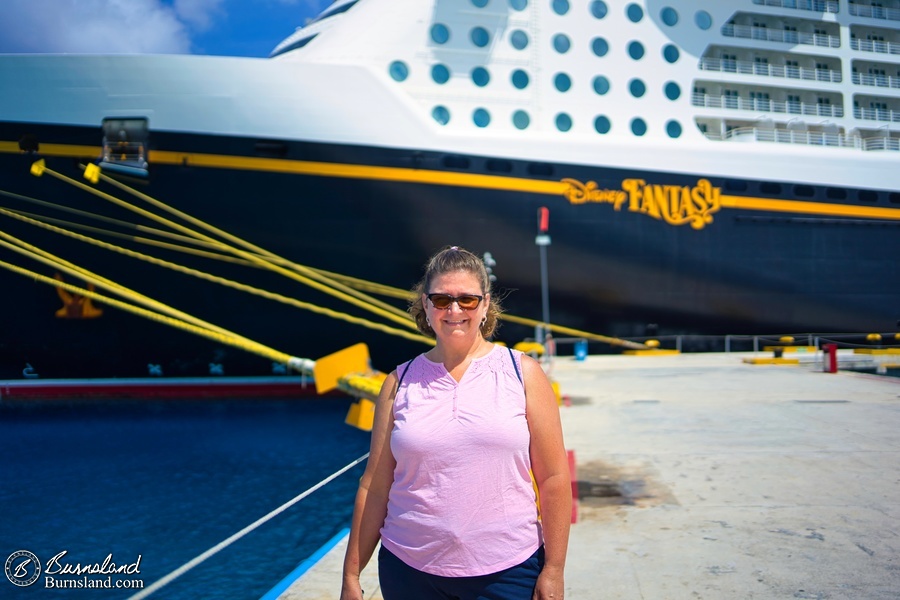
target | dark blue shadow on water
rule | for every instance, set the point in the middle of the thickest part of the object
(166, 481)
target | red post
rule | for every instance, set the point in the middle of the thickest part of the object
(830, 357)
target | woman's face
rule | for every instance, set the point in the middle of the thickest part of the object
(455, 322)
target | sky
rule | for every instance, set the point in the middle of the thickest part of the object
(220, 27)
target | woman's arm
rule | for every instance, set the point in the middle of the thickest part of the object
(551, 473)
(370, 508)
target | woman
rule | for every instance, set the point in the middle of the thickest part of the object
(459, 431)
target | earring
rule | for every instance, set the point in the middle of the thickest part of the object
(484, 320)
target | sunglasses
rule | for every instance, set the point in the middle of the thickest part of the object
(465, 302)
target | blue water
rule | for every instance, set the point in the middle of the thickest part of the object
(169, 480)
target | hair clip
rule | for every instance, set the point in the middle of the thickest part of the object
(454, 247)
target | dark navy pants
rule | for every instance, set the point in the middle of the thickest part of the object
(399, 581)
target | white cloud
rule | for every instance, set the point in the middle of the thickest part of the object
(103, 26)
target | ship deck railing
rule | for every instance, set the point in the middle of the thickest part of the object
(753, 32)
(888, 343)
(878, 46)
(876, 80)
(807, 138)
(746, 67)
(830, 6)
(873, 12)
(877, 114)
(766, 105)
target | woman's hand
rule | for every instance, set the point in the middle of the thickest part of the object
(351, 589)
(549, 585)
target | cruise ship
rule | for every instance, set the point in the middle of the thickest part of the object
(707, 167)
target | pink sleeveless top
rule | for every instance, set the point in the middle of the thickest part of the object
(462, 503)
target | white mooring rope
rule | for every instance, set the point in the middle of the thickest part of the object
(225, 543)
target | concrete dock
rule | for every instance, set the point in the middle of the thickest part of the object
(703, 477)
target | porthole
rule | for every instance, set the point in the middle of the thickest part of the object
(602, 125)
(498, 165)
(454, 161)
(669, 16)
(518, 4)
(770, 188)
(561, 43)
(736, 185)
(399, 71)
(560, 7)
(601, 85)
(520, 79)
(637, 88)
(836, 193)
(673, 91)
(439, 33)
(635, 13)
(481, 117)
(480, 76)
(636, 50)
(638, 126)
(540, 169)
(479, 36)
(598, 9)
(563, 122)
(441, 114)
(804, 191)
(440, 73)
(671, 53)
(673, 128)
(562, 82)
(867, 196)
(894, 198)
(600, 46)
(703, 19)
(480, 3)
(521, 120)
(519, 39)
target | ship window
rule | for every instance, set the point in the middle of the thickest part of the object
(673, 91)
(561, 43)
(521, 119)
(770, 188)
(562, 82)
(671, 53)
(519, 39)
(125, 146)
(480, 76)
(602, 125)
(440, 73)
(481, 117)
(441, 114)
(454, 161)
(498, 165)
(735, 185)
(439, 33)
(518, 4)
(636, 50)
(296, 45)
(894, 198)
(563, 122)
(560, 7)
(399, 71)
(673, 128)
(540, 169)
(635, 13)
(836, 194)
(479, 36)
(867, 196)
(480, 3)
(703, 19)
(669, 16)
(520, 79)
(601, 85)
(638, 126)
(598, 9)
(637, 88)
(804, 191)
(600, 46)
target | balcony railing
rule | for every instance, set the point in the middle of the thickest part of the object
(877, 114)
(888, 81)
(872, 12)
(830, 6)
(807, 138)
(875, 46)
(766, 105)
(746, 67)
(779, 35)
